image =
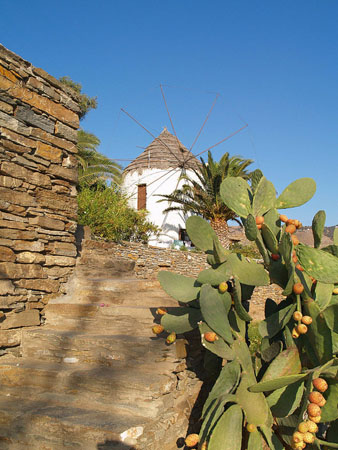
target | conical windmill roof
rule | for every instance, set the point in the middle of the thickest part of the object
(165, 152)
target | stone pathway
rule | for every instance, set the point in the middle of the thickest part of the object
(94, 376)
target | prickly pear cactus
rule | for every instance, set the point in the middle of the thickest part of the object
(270, 394)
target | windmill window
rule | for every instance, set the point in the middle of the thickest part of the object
(142, 196)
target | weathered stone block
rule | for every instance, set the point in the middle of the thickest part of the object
(54, 201)
(18, 198)
(7, 254)
(50, 138)
(16, 271)
(10, 182)
(33, 246)
(8, 74)
(17, 234)
(13, 124)
(6, 287)
(27, 115)
(8, 216)
(64, 172)
(6, 107)
(25, 162)
(59, 261)
(45, 285)
(9, 145)
(48, 152)
(10, 338)
(12, 224)
(62, 249)
(63, 131)
(22, 319)
(47, 222)
(12, 136)
(30, 258)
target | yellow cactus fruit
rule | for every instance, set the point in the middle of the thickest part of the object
(204, 445)
(251, 427)
(303, 427)
(313, 409)
(297, 437)
(313, 427)
(157, 329)
(320, 384)
(335, 290)
(297, 315)
(315, 419)
(295, 333)
(210, 336)
(307, 320)
(191, 440)
(171, 338)
(302, 329)
(316, 397)
(161, 311)
(223, 287)
(308, 438)
(298, 445)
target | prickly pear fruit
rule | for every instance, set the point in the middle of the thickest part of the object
(297, 315)
(321, 385)
(294, 239)
(283, 218)
(295, 333)
(171, 338)
(204, 445)
(223, 287)
(313, 409)
(315, 419)
(307, 320)
(290, 228)
(297, 437)
(157, 329)
(251, 427)
(210, 336)
(303, 427)
(335, 291)
(259, 220)
(302, 329)
(161, 311)
(300, 268)
(191, 440)
(308, 437)
(298, 288)
(275, 256)
(313, 427)
(316, 397)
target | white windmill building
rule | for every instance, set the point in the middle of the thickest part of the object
(156, 171)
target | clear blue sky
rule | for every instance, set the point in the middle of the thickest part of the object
(275, 64)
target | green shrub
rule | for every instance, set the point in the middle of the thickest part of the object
(107, 213)
(249, 251)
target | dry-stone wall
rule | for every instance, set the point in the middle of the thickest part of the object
(38, 207)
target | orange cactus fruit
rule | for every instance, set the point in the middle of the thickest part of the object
(335, 291)
(313, 409)
(315, 419)
(283, 218)
(157, 329)
(204, 445)
(298, 288)
(161, 311)
(171, 338)
(297, 437)
(210, 336)
(316, 397)
(259, 226)
(191, 440)
(251, 427)
(223, 287)
(294, 259)
(299, 267)
(297, 315)
(307, 320)
(302, 329)
(295, 333)
(259, 220)
(275, 256)
(321, 385)
(294, 239)
(308, 438)
(290, 229)
(303, 427)
(313, 427)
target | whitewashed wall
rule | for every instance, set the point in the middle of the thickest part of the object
(158, 181)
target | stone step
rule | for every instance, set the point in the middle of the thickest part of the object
(105, 383)
(45, 422)
(108, 350)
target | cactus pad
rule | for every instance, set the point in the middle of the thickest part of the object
(200, 233)
(296, 193)
(264, 198)
(319, 264)
(250, 228)
(181, 319)
(236, 194)
(318, 224)
(180, 287)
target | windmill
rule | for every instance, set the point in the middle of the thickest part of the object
(158, 171)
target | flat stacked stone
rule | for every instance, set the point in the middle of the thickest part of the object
(39, 118)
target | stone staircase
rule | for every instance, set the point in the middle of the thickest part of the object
(94, 376)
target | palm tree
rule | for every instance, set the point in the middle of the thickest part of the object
(94, 167)
(200, 193)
